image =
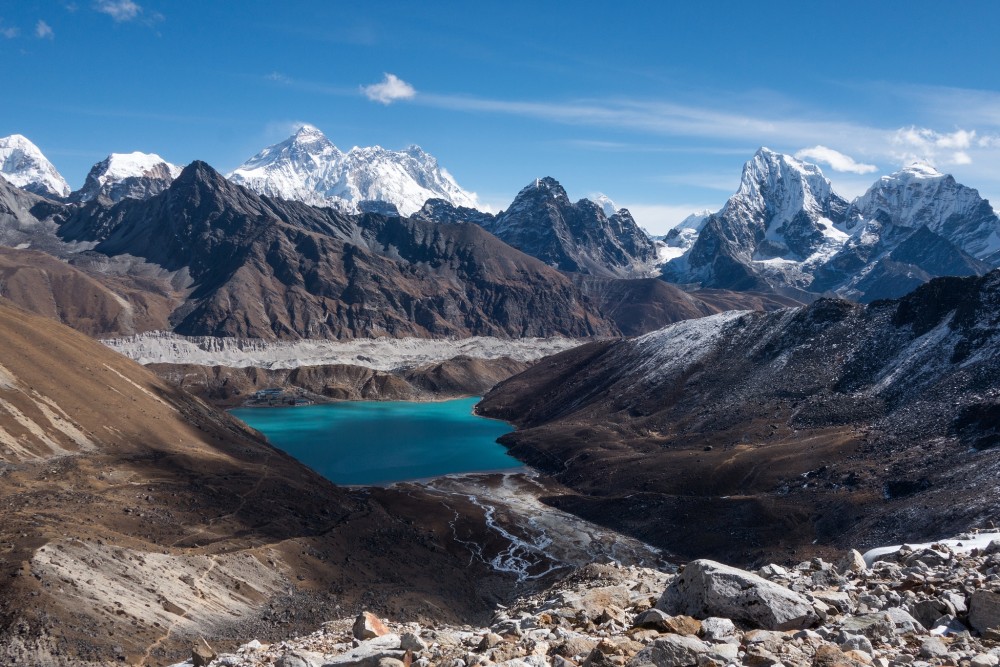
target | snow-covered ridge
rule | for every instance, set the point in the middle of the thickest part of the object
(382, 354)
(23, 165)
(672, 349)
(308, 167)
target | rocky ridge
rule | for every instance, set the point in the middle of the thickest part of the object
(921, 606)
(574, 237)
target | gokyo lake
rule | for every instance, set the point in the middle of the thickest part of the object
(373, 442)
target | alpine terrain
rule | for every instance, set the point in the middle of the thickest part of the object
(309, 168)
(785, 228)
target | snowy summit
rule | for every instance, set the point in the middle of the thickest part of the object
(308, 167)
(23, 165)
(127, 176)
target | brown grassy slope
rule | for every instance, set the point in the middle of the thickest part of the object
(47, 286)
(135, 518)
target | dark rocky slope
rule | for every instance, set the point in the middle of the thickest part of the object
(272, 269)
(574, 237)
(796, 430)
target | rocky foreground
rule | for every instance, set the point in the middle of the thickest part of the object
(925, 605)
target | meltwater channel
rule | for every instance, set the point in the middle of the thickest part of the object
(377, 442)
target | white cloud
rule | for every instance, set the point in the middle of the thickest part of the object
(43, 30)
(119, 10)
(391, 89)
(835, 159)
(921, 144)
(661, 218)
(8, 32)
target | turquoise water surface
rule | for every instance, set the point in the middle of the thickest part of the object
(374, 442)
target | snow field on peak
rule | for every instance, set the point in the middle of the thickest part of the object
(136, 164)
(24, 166)
(308, 167)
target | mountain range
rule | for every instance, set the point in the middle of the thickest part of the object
(785, 227)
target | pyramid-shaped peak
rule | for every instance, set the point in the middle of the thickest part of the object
(547, 185)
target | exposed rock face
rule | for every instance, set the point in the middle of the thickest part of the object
(270, 269)
(127, 176)
(706, 588)
(744, 423)
(579, 238)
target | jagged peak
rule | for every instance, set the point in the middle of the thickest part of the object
(545, 184)
(24, 165)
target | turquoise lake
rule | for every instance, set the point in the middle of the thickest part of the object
(374, 442)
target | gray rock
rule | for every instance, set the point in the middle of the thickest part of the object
(947, 626)
(707, 588)
(852, 561)
(933, 647)
(651, 618)
(411, 642)
(300, 659)
(856, 643)
(671, 651)
(717, 629)
(903, 621)
(984, 659)
(984, 610)
(873, 626)
(369, 653)
(928, 611)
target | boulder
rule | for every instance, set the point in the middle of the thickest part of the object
(300, 659)
(368, 626)
(903, 622)
(707, 588)
(984, 610)
(715, 629)
(852, 562)
(368, 653)
(671, 651)
(412, 642)
(202, 654)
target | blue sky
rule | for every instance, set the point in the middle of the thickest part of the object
(656, 104)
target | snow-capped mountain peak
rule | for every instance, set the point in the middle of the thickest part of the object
(308, 167)
(919, 195)
(22, 164)
(779, 186)
(694, 221)
(133, 175)
(605, 203)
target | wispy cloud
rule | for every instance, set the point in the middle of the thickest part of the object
(927, 145)
(390, 89)
(124, 11)
(8, 32)
(44, 31)
(835, 159)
